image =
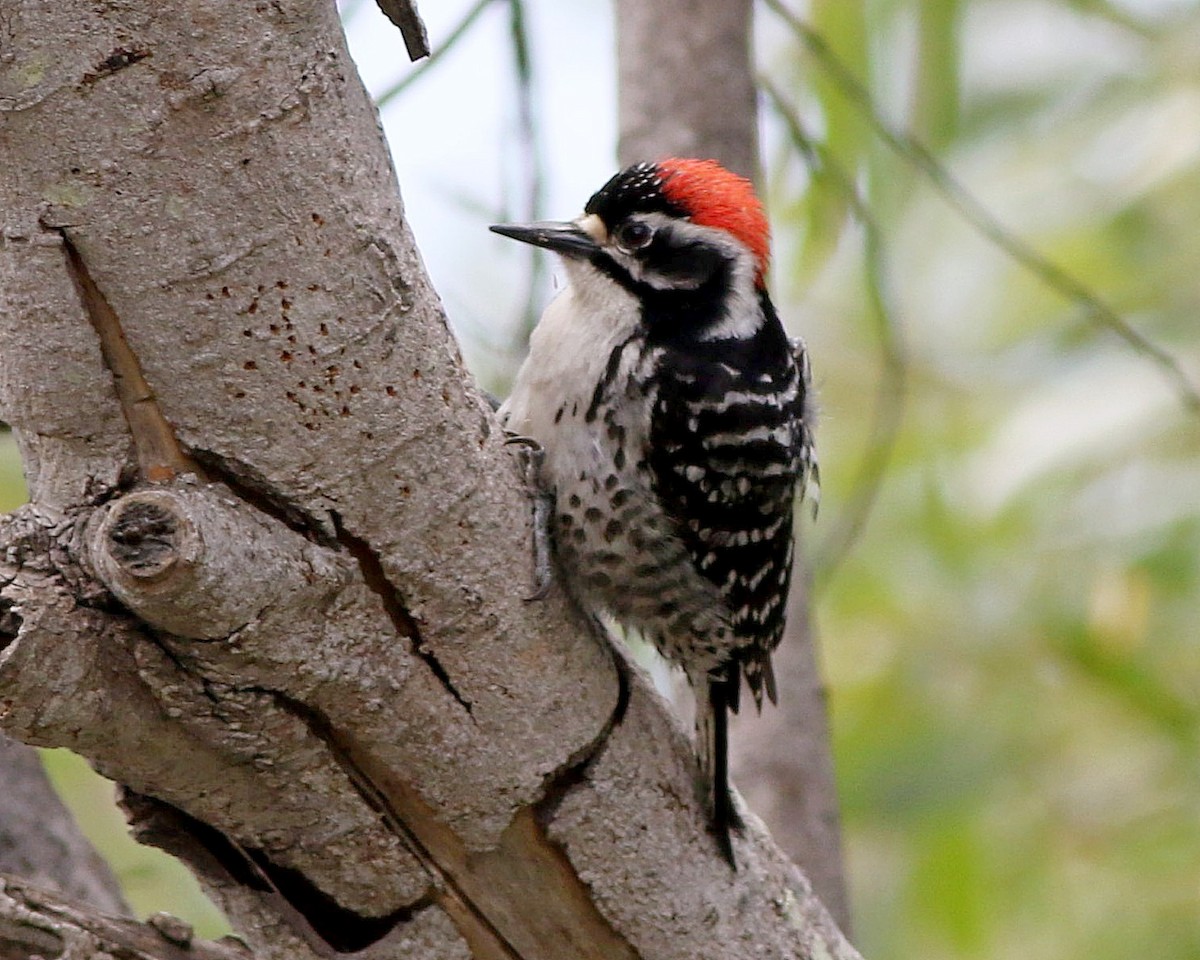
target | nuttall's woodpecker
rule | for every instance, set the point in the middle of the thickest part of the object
(676, 427)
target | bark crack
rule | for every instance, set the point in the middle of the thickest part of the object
(370, 566)
(325, 925)
(115, 62)
(497, 899)
(160, 458)
(450, 896)
(377, 581)
(256, 491)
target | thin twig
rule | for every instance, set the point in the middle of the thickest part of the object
(403, 13)
(967, 206)
(890, 397)
(456, 34)
(530, 160)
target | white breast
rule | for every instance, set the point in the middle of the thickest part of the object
(568, 352)
(614, 543)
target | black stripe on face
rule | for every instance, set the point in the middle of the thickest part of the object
(676, 314)
(681, 261)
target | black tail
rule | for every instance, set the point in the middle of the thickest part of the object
(715, 697)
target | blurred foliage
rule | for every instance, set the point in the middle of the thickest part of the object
(1013, 642)
(12, 481)
(1012, 638)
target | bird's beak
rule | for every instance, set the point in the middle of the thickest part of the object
(569, 239)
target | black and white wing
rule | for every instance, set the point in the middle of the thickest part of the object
(728, 448)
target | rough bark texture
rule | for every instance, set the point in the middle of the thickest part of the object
(687, 89)
(39, 840)
(271, 575)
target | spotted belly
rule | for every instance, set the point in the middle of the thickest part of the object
(621, 554)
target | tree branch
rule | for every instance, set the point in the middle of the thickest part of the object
(961, 199)
(312, 668)
(685, 83)
(403, 13)
(34, 923)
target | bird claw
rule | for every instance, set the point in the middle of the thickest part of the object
(530, 457)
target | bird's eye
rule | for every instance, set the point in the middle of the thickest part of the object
(633, 235)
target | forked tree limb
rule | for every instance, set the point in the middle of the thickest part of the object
(303, 647)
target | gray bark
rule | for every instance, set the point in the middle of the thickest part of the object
(271, 576)
(39, 840)
(687, 88)
(37, 924)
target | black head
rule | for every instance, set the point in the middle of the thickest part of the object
(675, 225)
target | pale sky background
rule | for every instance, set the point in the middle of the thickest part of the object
(453, 136)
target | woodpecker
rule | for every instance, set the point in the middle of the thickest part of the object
(676, 427)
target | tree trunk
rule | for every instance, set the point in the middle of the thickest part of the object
(39, 840)
(271, 576)
(686, 76)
